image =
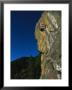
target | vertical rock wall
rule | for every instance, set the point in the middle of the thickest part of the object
(48, 36)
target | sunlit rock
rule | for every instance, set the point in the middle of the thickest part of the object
(48, 36)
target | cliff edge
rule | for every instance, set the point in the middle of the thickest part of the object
(48, 36)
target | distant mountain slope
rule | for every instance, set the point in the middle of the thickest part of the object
(26, 68)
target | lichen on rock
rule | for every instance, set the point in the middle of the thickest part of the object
(48, 36)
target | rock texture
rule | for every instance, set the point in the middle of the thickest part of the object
(48, 36)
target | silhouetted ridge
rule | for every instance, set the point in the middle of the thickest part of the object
(26, 68)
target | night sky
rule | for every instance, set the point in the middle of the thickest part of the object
(23, 42)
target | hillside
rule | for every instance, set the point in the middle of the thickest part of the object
(26, 68)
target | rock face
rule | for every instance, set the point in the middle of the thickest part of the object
(48, 36)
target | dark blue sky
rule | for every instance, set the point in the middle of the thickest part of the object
(23, 41)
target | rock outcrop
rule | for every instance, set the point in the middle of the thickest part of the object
(48, 36)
